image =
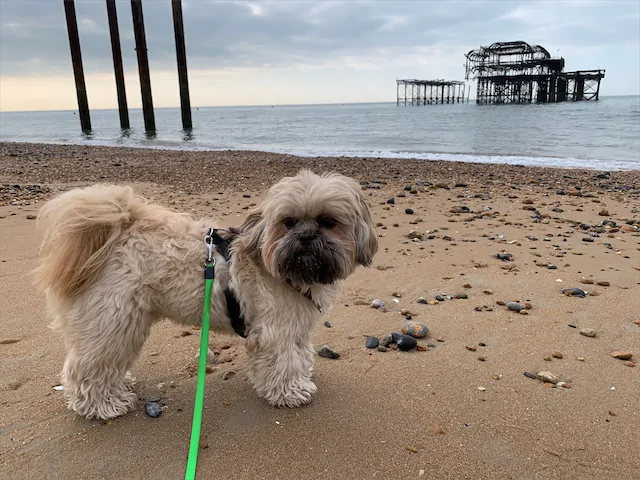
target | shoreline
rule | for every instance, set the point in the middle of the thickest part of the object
(482, 159)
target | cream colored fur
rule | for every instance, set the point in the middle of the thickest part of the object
(112, 264)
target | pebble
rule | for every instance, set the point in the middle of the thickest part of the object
(440, 298)
(15, 385)
(372, 342)
(630, 364)
(556, 354)
(409, 211)
(422, 300)
(581, 359)
(481, 358)
(382, 348)
(436, 430)
(377, 303)
(574, 292)
(505, 257)
(515, 306)
(461, 296)
(588, 239)
(405, 312)
(530, 375)
(482, 389)
(588, 332)
(327, 352)
(523, 312)
(228, 374)
(415, 329)
(327, 324)
(547, 377)
(405, 343)
(31, 217)
(622, 354)
(422, 348)
(586, 281)
(153, 409)
(7, 341)
(487, 292)
(636, 322)
(470, 348)
(604, 283)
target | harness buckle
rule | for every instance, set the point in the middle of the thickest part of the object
(208, 240)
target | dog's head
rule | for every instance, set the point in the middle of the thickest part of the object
(312, 229)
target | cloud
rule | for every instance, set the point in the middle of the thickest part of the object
(410, 38)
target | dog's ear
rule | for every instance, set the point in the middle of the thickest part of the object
(366, 235)
(252, 229)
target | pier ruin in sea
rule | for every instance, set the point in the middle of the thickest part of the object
(430, 92)
(516, 72)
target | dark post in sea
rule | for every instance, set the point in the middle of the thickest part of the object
(181, 54)
(440, 91)
(143, 67)
(116, 51)
(76, 59)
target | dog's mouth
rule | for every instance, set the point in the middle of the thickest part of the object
(320, 264)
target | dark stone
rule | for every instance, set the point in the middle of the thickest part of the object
(574, 292)
(440, 298)
(561, 192)
(405, 343)
(327, 352)
(372, 342)
(391, 201)
(461, 296)
(505, 257)
(408, 211)
(588, 239)
(515, 306)
(327, 324)
(460, 185)
(153, 409)
(382, 349)
(530, 375)
(407, 188)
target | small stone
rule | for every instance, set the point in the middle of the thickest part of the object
(547, 359)
(622, 354)
(228, 374)
(432, 302)
(7, 341)
(604, 283)
(636, 322)
(153, 409)
(466, 285)
(482, 358)
(604, 212)
(210, 369)
(573, 292)
(505, 257)
(470, 348)
(630, 364)
(185, 333)
(405, 343)
(581, 359)
(586, 281)
(422, 348)
(361, 302)
(588, 332)
(327, 324)
(496, 377)
(372, 342)
(377, 303)
(31, 217)
(528, 305)
(487, 292)
(547, 377)
(408, 211)
(530, 375)
(523, 312)
(436, 430)
(411, 449)
(501, 303)
(440, 298)
(440, 339)
(382, 348)
(588, 239)
(461, 296)
(405, 312)
(422, 300)
(515, 306)
(391, 201)
(556, 354)
(415, 329)
(15, 385)
(327, 352)
(482, 344)
(482, 389)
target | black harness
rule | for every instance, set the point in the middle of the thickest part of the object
(233, 307)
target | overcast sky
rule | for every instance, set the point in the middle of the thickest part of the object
(285, 52)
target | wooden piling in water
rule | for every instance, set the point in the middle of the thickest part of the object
(143, 66)
(181, 54)
(78, 71)
(116, 52)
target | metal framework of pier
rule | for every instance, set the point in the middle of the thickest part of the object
(516, 72)
(430, 92)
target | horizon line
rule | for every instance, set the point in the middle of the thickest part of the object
(259, 105)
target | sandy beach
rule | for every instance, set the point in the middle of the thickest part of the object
(464, 406)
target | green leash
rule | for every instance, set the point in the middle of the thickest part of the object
(202, 363)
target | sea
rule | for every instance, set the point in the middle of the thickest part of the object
(603, 135)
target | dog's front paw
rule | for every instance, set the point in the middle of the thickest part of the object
(294, 395)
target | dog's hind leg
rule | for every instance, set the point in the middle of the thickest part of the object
(104, 335)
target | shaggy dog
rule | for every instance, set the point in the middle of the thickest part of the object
(112, 264)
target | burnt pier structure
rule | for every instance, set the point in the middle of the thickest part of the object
(516, 72)
(429, 92)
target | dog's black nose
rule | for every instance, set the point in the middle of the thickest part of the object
(306, 236)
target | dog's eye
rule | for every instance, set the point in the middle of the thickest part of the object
(290, 222)
(327, 222)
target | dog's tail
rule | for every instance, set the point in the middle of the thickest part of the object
(80, 228)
